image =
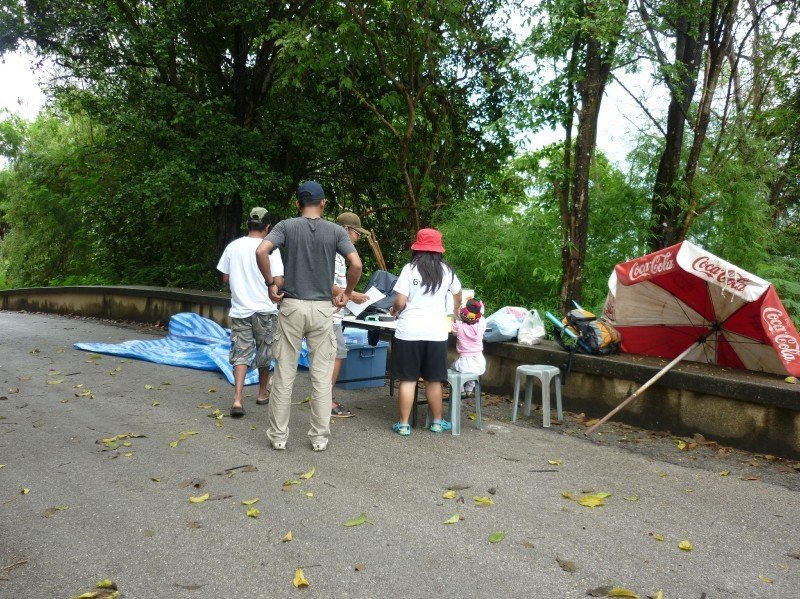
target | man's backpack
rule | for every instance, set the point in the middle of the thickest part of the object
(593, 335)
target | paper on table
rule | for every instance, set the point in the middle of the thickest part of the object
(374, 295)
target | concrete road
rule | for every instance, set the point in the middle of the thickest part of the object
(124, 514)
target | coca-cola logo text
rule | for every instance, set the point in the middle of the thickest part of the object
(787, 344)
(658, 264)
(728, 277)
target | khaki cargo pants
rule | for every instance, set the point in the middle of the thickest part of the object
(314, 321)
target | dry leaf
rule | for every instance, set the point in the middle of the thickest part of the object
(156, 403)
(631, 498)
(253, 512)
(359, 567)
(658, 536)
(200, 499)
(193, 524)
(685, 546)
(681, 444)
(24, 490)
(453, 519)
(555, 462)
(251, 501)
(309, 474)
(790, 379)
(148, 387)
(472, 416)
(566, 565)
(52, 510)
(249, 468)
(566, 494)
(497, 537)
(55, 382)
(309, 494)
(212, 389)
(766, 580)
(287, 537)
(621, 592)
(657, 595)
(598, 592)
(89, 595)
(205, 406)
(725, 473)
(362, 519)
(299, 580)
(107, 584)
(449, 494)
(483, 501)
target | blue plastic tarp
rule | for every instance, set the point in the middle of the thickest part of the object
(192, 342)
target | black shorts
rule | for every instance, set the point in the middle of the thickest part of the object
(414, 359)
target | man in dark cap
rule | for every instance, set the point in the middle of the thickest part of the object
(310, 246)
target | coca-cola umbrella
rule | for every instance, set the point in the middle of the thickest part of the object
(684, 302)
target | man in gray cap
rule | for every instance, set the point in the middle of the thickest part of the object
(307, 306)
(254, 317)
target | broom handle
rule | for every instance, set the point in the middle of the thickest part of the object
(636, 393)
(376, 249)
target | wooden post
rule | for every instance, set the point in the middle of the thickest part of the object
(376, 249)
(636, 393)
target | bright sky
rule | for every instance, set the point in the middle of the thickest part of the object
(19, 92)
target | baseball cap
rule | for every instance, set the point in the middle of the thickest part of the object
(350, 219)
(259, 215)
(310, 191)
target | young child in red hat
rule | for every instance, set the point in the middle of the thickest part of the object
(469, 343)
(419, 349)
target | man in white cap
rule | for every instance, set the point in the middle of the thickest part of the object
(254, 316)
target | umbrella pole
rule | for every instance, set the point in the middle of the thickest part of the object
(638, 392)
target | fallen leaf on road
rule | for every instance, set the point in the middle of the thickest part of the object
(483, 501)
(107, 584)
(288, 484)
(188, 587)
(249, 468)
(52, 510)
(658, 536)
(685, 546)
(55, 382)
(359, 567)
(449, 494)
(148, 387)
(453, 519)
(681, 444)
(197, 483)
(24, 490)
(472, 416)
(362, 519)
(199, 499)
(725, 473)
(657, 595)
(253, 512)
(555, 462)
(631, 498)
(251, 501)
(766, 580)
(193, 524)
(212, 389)
(497, 537)
(309, 474)
(309, 494)
(566, 565)
(205, 406)
(790, 379)
(287, 537)
(88, 595)
(621, 592)
(566, 494)
(593, 500)
(156, 403)
(299, 580)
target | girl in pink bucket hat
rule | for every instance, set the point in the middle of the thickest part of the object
(420, 342)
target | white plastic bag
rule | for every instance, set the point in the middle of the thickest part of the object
(532, 330)
(504, 324)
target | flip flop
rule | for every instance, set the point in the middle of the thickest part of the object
(237, 412)
(263, 402)
(339, 411)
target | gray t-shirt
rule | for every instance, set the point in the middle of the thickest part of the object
(309, 248)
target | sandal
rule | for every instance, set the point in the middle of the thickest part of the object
(438, 426)
(339, 411)
(402, 428)
(263, 402)
(237, 412)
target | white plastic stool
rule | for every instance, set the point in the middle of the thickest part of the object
(545, 374)
(456, 380)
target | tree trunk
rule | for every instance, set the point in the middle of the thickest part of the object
(667, 204)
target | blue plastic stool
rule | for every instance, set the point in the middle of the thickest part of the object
(546, 374)
(456, 381)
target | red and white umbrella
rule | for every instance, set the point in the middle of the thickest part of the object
(684, 297)
(685, 303)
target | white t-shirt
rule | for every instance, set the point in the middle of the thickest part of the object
(424, 317)
(340, 280)
(248, 289)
